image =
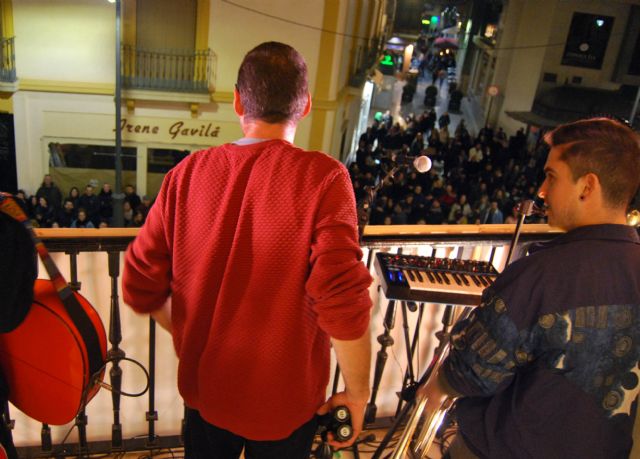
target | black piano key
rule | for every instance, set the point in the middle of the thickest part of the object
(437, 277)
(432, 279)
(489, 279)
(464, 279)
(410, 274)
(445, 276)
(418, 275)
(484, 281)
(456, 278)
(475, 280)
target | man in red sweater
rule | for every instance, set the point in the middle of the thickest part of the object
(255, 244)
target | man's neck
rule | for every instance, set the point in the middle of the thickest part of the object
(602, 216)
(257, 129)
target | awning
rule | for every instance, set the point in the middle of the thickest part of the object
(533, 119)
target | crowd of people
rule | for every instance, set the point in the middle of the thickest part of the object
(473, 179)
(49, 209)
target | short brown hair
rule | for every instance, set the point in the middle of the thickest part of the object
(605, 147)
(272, 83)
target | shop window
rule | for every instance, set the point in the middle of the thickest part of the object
(80, 156)
(163, 160)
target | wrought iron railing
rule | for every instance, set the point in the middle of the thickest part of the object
(115, 424)
(168, 70)
(8, 60)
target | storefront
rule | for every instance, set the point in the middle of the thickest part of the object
(78, 147)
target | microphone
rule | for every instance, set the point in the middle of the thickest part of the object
(420, 163)
(531, 207)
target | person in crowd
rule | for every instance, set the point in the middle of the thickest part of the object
(74, 195)
(435, 215)
(22, 200)
(399, 216)
(105, 199)
(492, 214)
(145, 205)
(547, 365)
(131, 196)
(138, 219)
(18, 272)
(462, 207)
(82, 220)
(46, 213)
(32, 204)
(417, 144)
(254, 356)
(50, 192)
(444, 120)
(67, 214)
(90, 203)
(127, 213)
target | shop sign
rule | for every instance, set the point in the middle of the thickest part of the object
(587, 40)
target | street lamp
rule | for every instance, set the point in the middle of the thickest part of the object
(118, 196)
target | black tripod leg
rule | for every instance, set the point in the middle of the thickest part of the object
(385, 341)
(409, 381)
(394, 428)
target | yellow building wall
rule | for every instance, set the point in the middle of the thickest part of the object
(533, 26)
(595, 78)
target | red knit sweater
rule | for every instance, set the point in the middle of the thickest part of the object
(257, 246)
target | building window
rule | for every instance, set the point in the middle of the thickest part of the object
(78, 156)
(166, 51)
(155, 17)
(162, 160)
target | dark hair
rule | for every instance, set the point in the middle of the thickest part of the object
(605, 147)
(272, 83)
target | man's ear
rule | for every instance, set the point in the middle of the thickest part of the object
(307, 107)
(237, 103)
(590, 185)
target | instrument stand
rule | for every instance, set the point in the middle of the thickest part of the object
(443, 340)
(409, 384)
(45, 439)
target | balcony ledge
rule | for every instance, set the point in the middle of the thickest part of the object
(187, 97)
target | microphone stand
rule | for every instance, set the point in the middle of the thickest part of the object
(524, 209)
(364, 207)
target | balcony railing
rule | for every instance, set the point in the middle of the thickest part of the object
(168, 70)
(91, 260)
(8, 64)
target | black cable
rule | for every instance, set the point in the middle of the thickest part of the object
(111, 389)
(289, 21)
(320, 29)
(96, 379)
